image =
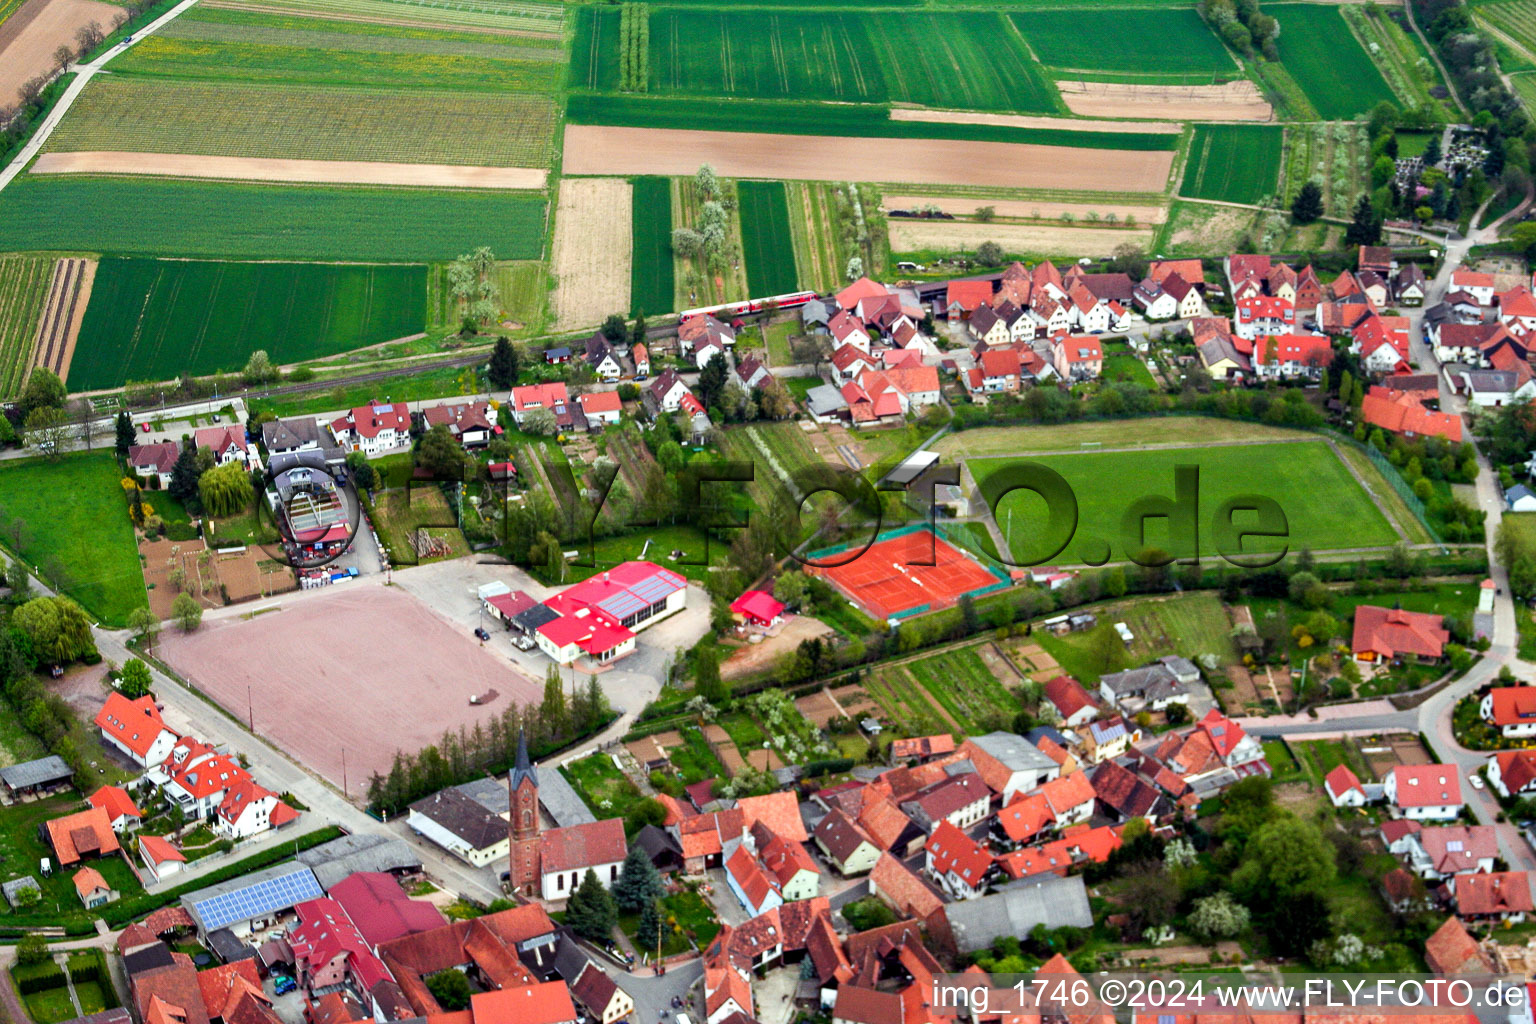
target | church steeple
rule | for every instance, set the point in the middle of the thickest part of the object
(522, 768)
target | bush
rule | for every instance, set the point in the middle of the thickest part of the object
(831, 766)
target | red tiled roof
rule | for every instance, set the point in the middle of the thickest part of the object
(116, 802)
(861, 289)
(600, 401)
(221, 987)
(1067, 792)
(749, 876)
(380, 908)
(1517, 768)
(784, 859)
(85, 832)
(1427, 785)
(1452, 950)
(968, 294)
(159, 850)
(548, 1002)
(1067, 695)
(896, 883)
(1341, 780)
(758, 605)
(540, 396)
(1470, 279)
(576, 847)
(1402, 413)
(779, 811)
(954, 852)
(1503, 892)
(88, 880)
(922, 746)
(1513, 705)
(1389, 632)
(326, 933)
(136, 724)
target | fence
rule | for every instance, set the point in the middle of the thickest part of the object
(1392, 476)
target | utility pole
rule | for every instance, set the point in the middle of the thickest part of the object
(344, 792)
(250, 709)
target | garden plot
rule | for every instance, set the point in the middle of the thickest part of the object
(1030, 209)
(592, 251)
(966, 688)
(69, 295)
(1030, 121)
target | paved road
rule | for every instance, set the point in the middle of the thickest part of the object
(83, 74)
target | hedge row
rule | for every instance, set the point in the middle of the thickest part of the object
(41, 981)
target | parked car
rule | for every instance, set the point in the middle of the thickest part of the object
(481, 632)
(283, 985)
(1476, 780)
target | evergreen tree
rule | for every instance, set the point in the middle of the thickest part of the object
(124, 433)
(553, 712)
(1364, 229)
(184, 474)
(648, 932)
(712, 380)
(1308, 204)
(505, 365)
(591, 912)
(637, 330)
(638, 883)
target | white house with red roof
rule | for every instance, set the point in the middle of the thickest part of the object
(1517, 311)
(1263, 314)
(1291, 355)
(1344, 788)
(667, 391)
(551, 395)
(1077, 357)
(1478, 285)
(154, 462)
(227, 442)
(1423, 792)
(122, 812)
(1154, 301)
(599, 617)
(197, 777)
(248, 809)
(471, 423)
(160, 858)
(848, 362)
(1382, 343)
(566, 854)
(1512, 772)
(755, 889)
(1512, 709)
(1386, 634)
(135, 728)
(1070, 700)
(847, 329)
(703, 332)
(601, 407)
(375, 428)
(959, 864)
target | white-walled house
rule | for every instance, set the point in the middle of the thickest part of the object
(135, 728)
(1512, 709)
(1424, 792)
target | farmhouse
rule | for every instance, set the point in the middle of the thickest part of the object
(1009, 764)
(1387, 634)
(962, 298)
(374, 428)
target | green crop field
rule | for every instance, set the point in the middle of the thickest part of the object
(1331, 67)
(223, 24)
(158, 319)
(1324, 505)
(650, 268)
(1233, 162)
(23, 292)
(1513, 18)
(153, 217)
(965, 686)
(1165, 41)
(167, 57)
(73, 525)
(516, 16)
(8, 8)
(305, 123)
(964, 59)
(841, 119)
(765, 238)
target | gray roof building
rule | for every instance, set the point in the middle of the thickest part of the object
(1163, 680)
(825, 400)
(45, 771)
(14, 888)
(562, 802)
(365, 851)
(1015, 910)
(251, 896)
(489, 793)
(298, 433)
(1015, 752)
(462, 817)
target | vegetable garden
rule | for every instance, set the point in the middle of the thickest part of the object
(965, 687)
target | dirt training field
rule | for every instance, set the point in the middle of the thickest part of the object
(334, 668)
(1235, 101)
(1026, 209)
(592, 251)
(1029, 121)
(29, 37)
(352, 172)
(591, 149)
(59, 327)
(916, 235)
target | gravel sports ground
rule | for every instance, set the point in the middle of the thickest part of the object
(364, 667)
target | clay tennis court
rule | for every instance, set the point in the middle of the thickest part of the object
(361, 666)
(606, 150)
(252, 168)
(888, 580)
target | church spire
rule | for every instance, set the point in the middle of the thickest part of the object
(523, 768)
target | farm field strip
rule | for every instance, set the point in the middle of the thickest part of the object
(767, 244)
(1240, 100)
(1174, 40)
(1326, 60)
(1525, 88)
(158, 319)
(305, 123)
(68, 294)
(1036, 210)
(650, 265)
(1234, 163)
(204, 59)
(695, 283)
(225, 26)
(1033, 121)
(966, 687)
(592, 251)
(24, 288)
(157, 217)
(1325, 506)
(903, 701)
(1397, 55)
(811, 225)
(912, 236)
(325, 172)
(1514, 19)
(1333, 155)
(610, 150)
(543, 19)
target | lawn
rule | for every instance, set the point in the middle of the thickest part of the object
(650, 267)
(407, 387)
(1125, 366)
(765, 237)
(1324, 506)
(50, 1006)
(159, 319)
(222, 220)
(689, 914)
(23, 293)
(1191, 625)
(1233, 163)
(1108, 433)
(22, 850)
(777, 340)
(695, 761)
(851, 120)
(134, 114)
(69, 520)
(1171, 40)
(654, 543)
(608, 791)
(1327, 61)
(1410, 144)
(966, 687)
(400, 511)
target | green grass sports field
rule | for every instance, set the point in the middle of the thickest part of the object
(765, 239)
(156, 217)
(1167, 41)
(650, 274)
(141, 115)
(967, 59)
(1324, 505)
(844, 119)
(1234, 163)
(74, 527)
(1318, 50)
(158, 319)
(23, 292)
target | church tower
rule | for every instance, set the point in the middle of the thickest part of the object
(523, 827)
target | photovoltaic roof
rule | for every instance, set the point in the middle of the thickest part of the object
(253, 895)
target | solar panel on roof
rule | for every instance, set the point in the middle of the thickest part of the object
(258, 899)
(620, 605)
(652, 588)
